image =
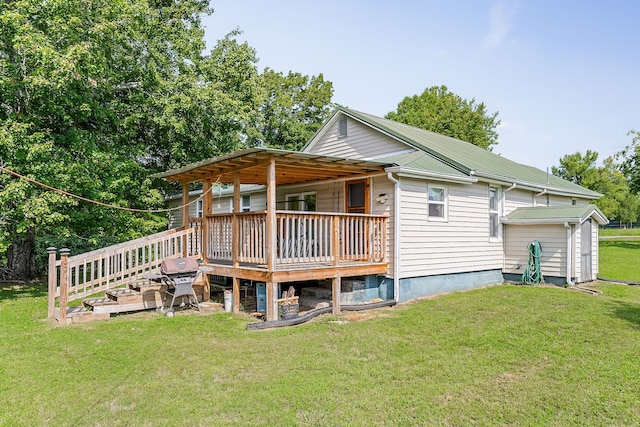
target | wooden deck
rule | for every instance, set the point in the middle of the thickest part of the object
(296, 272)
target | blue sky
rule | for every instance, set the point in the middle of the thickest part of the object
(563, 75)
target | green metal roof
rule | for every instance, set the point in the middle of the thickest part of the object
(555, 215)
(469, 159)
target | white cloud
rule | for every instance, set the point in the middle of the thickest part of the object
(501, 19)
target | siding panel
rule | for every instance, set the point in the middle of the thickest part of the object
(458, 245)
(361, 142)
(552, 239)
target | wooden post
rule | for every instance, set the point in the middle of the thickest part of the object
(207, 209)
(236, 295)
(235, 225)
(271, 226)
(185, 216)
(272, 301)
(64, 285)
(336, 285)
(271, 230)
(53, 276)
(335, 240)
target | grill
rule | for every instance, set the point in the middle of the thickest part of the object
(179, 275)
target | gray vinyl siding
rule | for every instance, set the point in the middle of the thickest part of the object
(555, 200)
(553, 240)
(361, 142)
(517, 199)
(460, 244)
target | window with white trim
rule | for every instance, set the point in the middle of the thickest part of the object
(301, 202)
(199, 208)
(495, 210)
(245, 203)
(437, 203)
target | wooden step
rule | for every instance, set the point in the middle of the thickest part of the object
(80, 315)
(124, 296)
(89, 303)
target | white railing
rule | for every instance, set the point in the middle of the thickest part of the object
(79, 276)
(301, 237)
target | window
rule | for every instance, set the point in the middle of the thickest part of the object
(301, 202)
(437, 203)
(199, 208)
(342, 127)
(494, 212)
(245, 203)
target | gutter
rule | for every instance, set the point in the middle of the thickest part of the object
(434, 176)
(513, 186)
(396, 236)
(569, 254)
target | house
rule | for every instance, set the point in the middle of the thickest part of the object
(413, 212)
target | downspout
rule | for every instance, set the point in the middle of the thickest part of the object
(396, 236)
(569, 254)
(535, 197)
(510, 188)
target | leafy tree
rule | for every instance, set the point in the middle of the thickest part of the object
(576, 168)
(439, 110)
(294, 109)
(96, 95)
(617, 201)
(630, 161)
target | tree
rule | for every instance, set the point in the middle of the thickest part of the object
(576, 168)
(294, 109)
(617, 201)
(95, 96)
(630, 161)
(439, 110)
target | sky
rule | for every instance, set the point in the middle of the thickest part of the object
(564, 76)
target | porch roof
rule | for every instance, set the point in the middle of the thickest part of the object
(292, 167)
(575, 214)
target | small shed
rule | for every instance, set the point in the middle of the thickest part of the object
(568, 236)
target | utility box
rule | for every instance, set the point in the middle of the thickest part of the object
(261, 296)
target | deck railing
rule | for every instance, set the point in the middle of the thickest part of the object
(100, 270)
(301, 237)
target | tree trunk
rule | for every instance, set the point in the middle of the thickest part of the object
(21, 258)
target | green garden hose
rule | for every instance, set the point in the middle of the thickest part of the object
(533, 272)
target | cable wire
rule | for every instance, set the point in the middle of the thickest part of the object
(84, 199)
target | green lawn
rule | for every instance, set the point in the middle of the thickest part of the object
(620, 259)
(619, 232)
(504, 355)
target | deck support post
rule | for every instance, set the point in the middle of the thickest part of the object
(235, 242)
(52, 282)
(272, 301)
(236, 295)
(64, 285)
(271, 230)
(336, 285)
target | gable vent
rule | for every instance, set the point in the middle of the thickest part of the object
(342, 127)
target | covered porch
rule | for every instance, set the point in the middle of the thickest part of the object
(275, 246)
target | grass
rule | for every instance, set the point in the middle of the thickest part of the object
(619, 257)
(517, 355)
(606, 232)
